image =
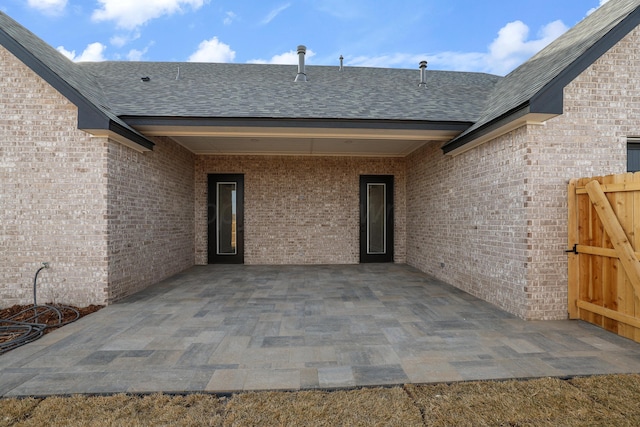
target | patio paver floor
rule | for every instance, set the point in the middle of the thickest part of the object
(226, 328)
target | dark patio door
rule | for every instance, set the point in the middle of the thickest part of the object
(376, 218)
(225, 216)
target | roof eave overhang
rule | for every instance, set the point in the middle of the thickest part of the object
(515, 119)
(90, 118)
(548, 102)
(551, 97)
(296, 127)
(212, 122)
(105, 133)
(99, 125)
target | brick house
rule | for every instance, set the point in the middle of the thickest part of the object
(120, 174)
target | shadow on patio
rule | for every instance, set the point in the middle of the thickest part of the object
(222, 328)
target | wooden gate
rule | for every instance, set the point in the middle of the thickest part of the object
(604, 235)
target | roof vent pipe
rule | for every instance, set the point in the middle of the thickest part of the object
(423, 74)
(341, 63)
(302, 76)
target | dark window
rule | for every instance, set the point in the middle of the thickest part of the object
(633, 156)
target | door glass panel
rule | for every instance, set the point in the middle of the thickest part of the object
(376, 219)
(226, 218)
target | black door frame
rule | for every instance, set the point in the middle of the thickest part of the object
(212, 197)
(387, 256)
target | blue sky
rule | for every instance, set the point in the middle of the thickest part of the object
(491, 36)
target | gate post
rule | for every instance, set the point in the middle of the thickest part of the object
(573, 266)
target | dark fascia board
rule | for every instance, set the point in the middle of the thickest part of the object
(550, 99)
(89, 119)
(296, 123)
(131, 135)
(89, 115)
(510, 116)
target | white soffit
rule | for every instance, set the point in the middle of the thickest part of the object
(298, 141)
(537, 119)
(298, 146)
(102, 133)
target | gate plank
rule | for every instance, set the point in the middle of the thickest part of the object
(596, 235)
(624, 212)
(618, 237)
(617, 188)
(634, 301)
(584, 261)
(609, 290)
(623, 318)
(596, 250)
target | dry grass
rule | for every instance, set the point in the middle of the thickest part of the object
(612, 400)
(619, 394)
(14, 410)
(540, 402)
(364, 407)
(119, 410)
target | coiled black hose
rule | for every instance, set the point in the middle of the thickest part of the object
(15, 333)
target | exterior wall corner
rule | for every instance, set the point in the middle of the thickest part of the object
(52, 197)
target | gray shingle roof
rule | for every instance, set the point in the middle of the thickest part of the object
(112, 90)
(76, 77)
(269, 91)
(72, 81)
(558, 61)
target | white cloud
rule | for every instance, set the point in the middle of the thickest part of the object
(508, 50)
(287, 58)
(69, 54)
(590, 11)
(275, 12)
(136, 55)
(92, 53)
(121, 40)
(213, 50)
(50, 7)
(130, 14)
(512, 46)
(229, 18)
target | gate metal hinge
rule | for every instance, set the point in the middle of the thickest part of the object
(574, 250)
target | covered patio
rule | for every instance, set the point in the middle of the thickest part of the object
(226, 328)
